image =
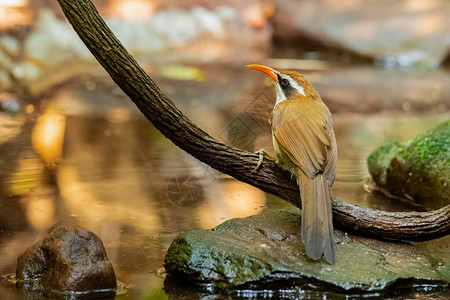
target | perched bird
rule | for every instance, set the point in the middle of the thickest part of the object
(304, 143)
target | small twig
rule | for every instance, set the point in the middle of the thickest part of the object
(160, 110)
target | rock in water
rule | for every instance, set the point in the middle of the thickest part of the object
(254, 252)
(66, 259)
(418, 169)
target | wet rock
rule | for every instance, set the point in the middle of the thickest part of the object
(258, 251)
(399, 33)
(67, 259)
(418, 169)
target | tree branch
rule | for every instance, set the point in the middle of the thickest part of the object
(167, 118)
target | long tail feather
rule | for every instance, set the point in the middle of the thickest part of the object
(317, 223)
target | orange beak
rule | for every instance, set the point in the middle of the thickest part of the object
(269, 71)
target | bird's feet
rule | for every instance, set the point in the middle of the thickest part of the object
(262, 153)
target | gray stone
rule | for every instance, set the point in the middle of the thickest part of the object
(253, 252)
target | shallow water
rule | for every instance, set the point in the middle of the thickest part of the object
(108, 170)
(84, 156)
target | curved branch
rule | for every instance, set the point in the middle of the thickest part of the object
(167, 118)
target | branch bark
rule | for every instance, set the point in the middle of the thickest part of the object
(167, 118)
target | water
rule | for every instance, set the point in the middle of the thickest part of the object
(105, 168)
(74, 151)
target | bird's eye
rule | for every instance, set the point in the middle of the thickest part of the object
(284, 82)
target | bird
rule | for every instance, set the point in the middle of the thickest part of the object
(305, 144)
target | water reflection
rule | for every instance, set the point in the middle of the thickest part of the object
(48, 136)
(115, 175)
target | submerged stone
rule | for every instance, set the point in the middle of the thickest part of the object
(66, 260)
(258, 251)
(418, 169)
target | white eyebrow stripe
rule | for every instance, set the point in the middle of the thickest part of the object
(280, 94)
(295, 85)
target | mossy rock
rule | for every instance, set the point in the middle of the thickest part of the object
(418, 169)
(265, 251)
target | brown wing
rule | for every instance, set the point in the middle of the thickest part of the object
(307, 137)
(330, 169)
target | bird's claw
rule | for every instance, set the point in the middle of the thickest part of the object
(262, 153)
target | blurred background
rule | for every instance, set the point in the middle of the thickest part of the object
(74, 150)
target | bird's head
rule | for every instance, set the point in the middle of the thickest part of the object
(289, 84)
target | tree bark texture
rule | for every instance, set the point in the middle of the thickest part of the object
(270, 178)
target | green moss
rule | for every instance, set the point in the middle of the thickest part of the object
(204, 262)
(418, 169)
(379, 161)
(260, 249)
(431, 146)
